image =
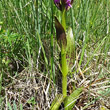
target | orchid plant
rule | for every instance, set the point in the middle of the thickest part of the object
(65, 40)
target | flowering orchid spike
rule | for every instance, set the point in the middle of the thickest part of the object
(63, 3)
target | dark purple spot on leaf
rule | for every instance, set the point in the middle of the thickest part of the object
(60, 33)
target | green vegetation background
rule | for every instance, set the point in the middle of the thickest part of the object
(27, 26)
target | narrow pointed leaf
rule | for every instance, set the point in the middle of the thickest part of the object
(60, 34)
(57, 102)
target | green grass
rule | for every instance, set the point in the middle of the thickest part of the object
(27, 38)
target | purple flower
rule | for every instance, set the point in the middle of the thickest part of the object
(56, 1)
(66, 3)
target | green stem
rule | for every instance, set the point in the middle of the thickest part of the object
(64, 62)
(64, 73)
(63, 59)
(64, 85)
(63, 22)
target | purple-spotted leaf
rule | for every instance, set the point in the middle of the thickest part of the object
(70, 49)
(60, 34)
